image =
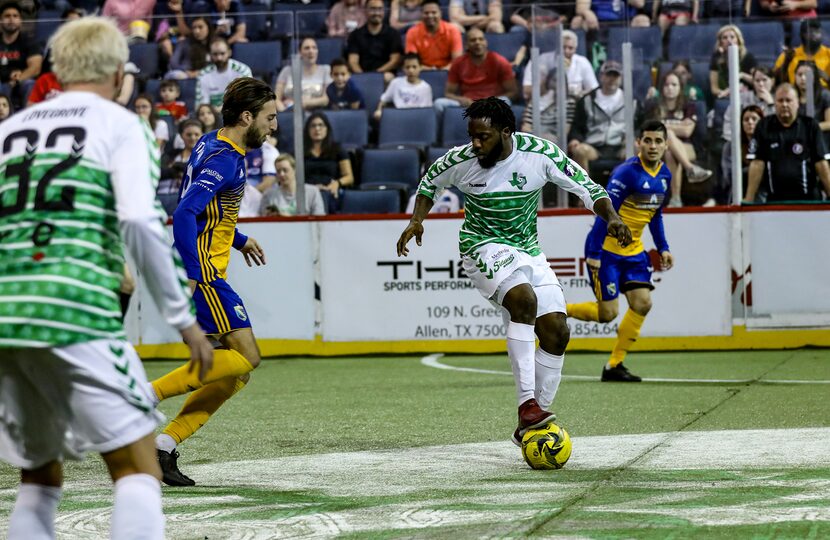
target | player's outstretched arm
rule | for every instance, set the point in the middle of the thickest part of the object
(423, 204)
(201, 350)
(616, 228)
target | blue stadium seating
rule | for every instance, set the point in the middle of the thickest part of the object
(282, 23)
(407, 127)
(506, 44)
(146, 57)
(369, 202)
(765, 40)
(298, 20)
(518, 111)
(371, 85)
(384, 166)
(350, 128)
(263, 57)
(47, 22)
(437, 79)
(692, 42)
(285, 131)
(546, 41)
(257, 21)
(454, 127)
(646, 43)
(329, 49)
(433, 153)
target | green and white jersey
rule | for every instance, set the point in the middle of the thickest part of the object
(78, 174)
(501, 202)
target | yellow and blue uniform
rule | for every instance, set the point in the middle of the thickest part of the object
(204, 229)
(637, 194)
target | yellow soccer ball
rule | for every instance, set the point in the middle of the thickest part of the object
(548, 447)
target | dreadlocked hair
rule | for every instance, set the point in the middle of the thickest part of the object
(496, 110)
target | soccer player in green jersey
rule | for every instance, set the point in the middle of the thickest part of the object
(78, 177)
(502, 174)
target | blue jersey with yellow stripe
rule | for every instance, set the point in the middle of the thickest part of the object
(204, 223)
(637, 194)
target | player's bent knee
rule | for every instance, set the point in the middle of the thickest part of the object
(138, 457)
(607, 314)
(555, 336)
(642, 307)
(50, 474)
(520, 302)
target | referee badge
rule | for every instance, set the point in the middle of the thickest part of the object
(798, 149)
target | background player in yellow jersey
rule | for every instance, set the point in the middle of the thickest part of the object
(637, 189)
(204, 229)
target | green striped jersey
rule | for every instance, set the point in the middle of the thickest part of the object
(500, 202)
(72, 170)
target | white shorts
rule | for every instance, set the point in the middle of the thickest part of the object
(62, 402)
(497, 268)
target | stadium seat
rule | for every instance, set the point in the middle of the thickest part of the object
(188, 95)
(407, 127)
(285, 131)
(257, 21)
(385, 166)
(646, 44)
(349, 128)
(329, 49)
(699, 134)
(263, 57)
(700, 76)
(437, 79)
(47, 22)
(764, 39)
(692, 42)
(454, 127)
(152, 88)
(433, 154)
(146, 57)
(282, 22)
(311, 19)
(546, 41)
(506, 44)
(518, 112)
(369, 202)
(371, 85)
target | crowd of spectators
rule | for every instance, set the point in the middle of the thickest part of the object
(437, 56)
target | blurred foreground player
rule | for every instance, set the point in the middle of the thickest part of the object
(79, 179)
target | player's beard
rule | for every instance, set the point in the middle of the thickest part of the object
(253, 137)
(492, 156)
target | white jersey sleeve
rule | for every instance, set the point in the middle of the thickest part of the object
(134, 175)
(446, 170)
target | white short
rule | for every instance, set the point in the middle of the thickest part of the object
(497, 268)
(62, 402)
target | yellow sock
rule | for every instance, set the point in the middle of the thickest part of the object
(200, 405)
(226, 363)
(586, 311)
(627, 334)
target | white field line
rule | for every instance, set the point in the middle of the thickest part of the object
(432, 361)
(494, 474)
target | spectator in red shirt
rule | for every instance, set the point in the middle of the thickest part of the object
(436, 41)
(477, 74)
(169, 91)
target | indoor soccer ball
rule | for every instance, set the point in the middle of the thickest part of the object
(548, 447)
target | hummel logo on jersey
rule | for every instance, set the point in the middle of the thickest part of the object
(478, 185)
(117, 351)
(519, 181)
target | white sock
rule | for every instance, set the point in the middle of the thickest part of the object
(137, 513)
(165, 442)
(548, 376)
(33, 517)
(521, 342)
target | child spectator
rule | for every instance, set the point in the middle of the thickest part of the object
(343, 93)
(409, 91)
(6, 108)
(170, 105)
(143, 107)
(281, 198)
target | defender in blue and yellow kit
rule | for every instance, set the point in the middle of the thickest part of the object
(204, 229)
(637, 189)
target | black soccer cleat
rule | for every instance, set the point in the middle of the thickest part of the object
(618, 374)
(170, 473)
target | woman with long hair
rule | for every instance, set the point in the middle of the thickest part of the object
(143, 107)
(316, 77)
(718, 66)
(326, 163)
(6, 107)
(821, 96)
(209, 117)
(192, 53)
(750, 116)
(680, 116)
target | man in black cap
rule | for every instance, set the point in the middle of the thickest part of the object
(20, 58)
(791, 149)
(811, 49)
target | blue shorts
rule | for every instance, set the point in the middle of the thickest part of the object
(618, 273)
(219, 309)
